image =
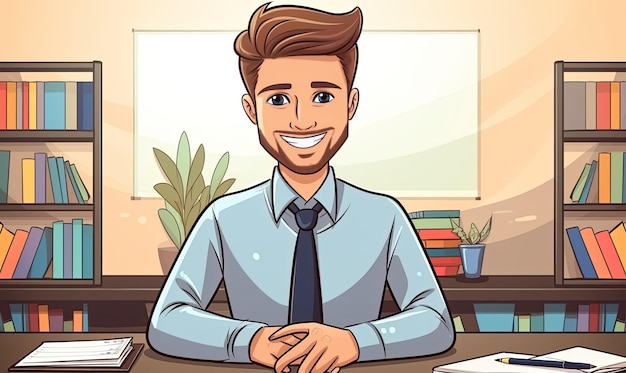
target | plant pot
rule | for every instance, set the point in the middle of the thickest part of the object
(167, 257)
(472, 259)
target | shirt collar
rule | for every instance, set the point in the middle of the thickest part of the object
(282, 194)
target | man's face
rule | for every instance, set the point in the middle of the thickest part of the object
(302, 110)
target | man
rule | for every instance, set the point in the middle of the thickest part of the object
(304, 256)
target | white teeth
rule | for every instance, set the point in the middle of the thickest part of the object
(304, 142)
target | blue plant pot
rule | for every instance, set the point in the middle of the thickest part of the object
(472, 259)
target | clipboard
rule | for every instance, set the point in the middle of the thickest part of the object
(125, 367)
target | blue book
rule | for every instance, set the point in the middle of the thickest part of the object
(62, 179)
(54, 105)
(67, 250)
(84, 95)
(587, 187)
(57, 249)
(553, 317)
(88, 251)
(536, 322)
(581, 253)
(602, 318)
(494, 317)
(43, 255)
(571, 321)
(516, 323)
(435, 214)
(5, 158)
(610, 316)
(70, 175)
(85, 318)
(17, 316)
(443, 252)
(54, 179)
(77, 248)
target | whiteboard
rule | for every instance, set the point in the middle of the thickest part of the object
(414, 134)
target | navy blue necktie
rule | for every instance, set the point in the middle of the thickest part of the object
(306, 297)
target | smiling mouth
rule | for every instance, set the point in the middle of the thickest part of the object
(304, 142)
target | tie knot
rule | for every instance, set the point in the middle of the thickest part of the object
(306, 218)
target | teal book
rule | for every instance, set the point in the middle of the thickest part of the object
(602, 318)
(434, 223)
(610, 316)
(70, 175)
(588, 182)
(5, 160)
(43, 255)
(57, 249)
(67, 250)
(554, 317)
(494, 317)
(17, 316)
(54, 179)
(435, 214)
(536, 322)
(54, 105)
(85, 318)
(571, 320)
(25, 317)
(516, 323)
(432, 253)
(1, 323)
(77, 248)
(88, 251)
(62, 179)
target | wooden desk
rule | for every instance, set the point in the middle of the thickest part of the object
(468, 345)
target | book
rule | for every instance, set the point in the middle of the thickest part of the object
(594, 317)
(583, 318)
(40, 177)
(434, 223)
(32, 105)
(67, 250)
(442, 244)
(28, 253)
(79, 182)
(617, 176)
(571, 318)
(580, 184)
(435, 214)
(25, 106)
(615, 102)
(580, 252)
(115, 354)
(77, 248)
(57, 249)
(584, 196)
(618, 236)
(603, 105)
(40, 106)
(28, 180)
(595, 254)
(54, 105)
(610, 316)
(3, 106)
(33, 317)
(18, 105)
(5, 161)
(494, 317)
(71, 109)
(610, 254)
(437, 234)
(84, 95)
(88, 251)
(604, 177)
(574, 105)
(54, 179)
(590, 105)
(13, 256)
(604, 362)
(458, 324)
(56, 320)
(62, 179)
(553, 317)
(72, 180)
(17, 315)
(524, 323)
(443, 252)
(43, 255)
(11, 105)
(44, 317)
(6, 237)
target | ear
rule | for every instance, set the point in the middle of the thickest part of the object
(248, 107)
(353, 102)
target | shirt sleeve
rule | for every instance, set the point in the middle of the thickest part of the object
(423, 326)
(180, 326)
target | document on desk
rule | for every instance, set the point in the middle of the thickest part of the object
(91, 353)
(604, 362)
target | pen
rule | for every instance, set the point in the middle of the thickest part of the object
(546, 363)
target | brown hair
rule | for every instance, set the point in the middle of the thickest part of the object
(290, 30)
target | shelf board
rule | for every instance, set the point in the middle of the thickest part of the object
(594, 136)
(46, 136)
(456, 289)
(595, 207)
(604, 66)
(45, 207)
(47, 66)
(595, 283)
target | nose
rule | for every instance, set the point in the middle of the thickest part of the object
(302, 120)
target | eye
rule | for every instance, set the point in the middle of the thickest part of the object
(278, 100)
(323, 97)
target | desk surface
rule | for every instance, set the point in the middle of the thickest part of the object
(468, 345)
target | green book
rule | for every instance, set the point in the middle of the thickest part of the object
(536, 322)
(458, 324)
(580, 184)
(68, 326)
(81, 186)
(524, 323)
(620, 326)
(617, 176)
(435, 214)
(8, 326)
(434, 223)
(5, 160)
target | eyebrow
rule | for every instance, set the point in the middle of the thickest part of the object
(324, 85)
(275, 87)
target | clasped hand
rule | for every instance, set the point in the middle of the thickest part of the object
(317, 348)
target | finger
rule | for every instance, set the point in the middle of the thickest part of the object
(325, 364)
(336, 370)
(288, 330)
(289, 340)
(311, 360)
(294, 353)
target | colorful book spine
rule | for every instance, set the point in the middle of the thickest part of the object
(40, 105)
(70, 176)
(587, 188)
(580, 184)
(28, 180)
(18, 105)
(5, 161)
(77, 248)
(594, 317)
(44, 318)
(17, 315)
(580, 252)
(603, 105)
(33, 318)
(81, 186)
(43, 255)
(85, 106)
(494, 317)
(57, 249)
(554, 317)
(3, 106)
(615, 109)
(28, 253)
(435, 214)
(574, 105)
(610, 254)
(32, 105)
(595, 254)
(11, 105)
(6, 237)
(71, 109)
(40, 177)
(604, 177)
(56, 320)
(25, 106)
(88, 251)
(583, 318)
(13, 255)
(618, 236)
(54, 179)
(54, 105)
(67, 250)
(617, 177)
(62, 179)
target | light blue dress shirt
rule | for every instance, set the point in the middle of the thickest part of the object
(248, 239)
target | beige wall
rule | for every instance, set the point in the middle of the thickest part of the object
(520, 40)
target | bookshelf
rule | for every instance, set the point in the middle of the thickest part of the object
(583, 130)
(83, 144)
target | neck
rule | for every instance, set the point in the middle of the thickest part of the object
(304, 184)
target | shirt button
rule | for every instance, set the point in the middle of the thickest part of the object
(383, 330)
(256, 256)
(392, 330)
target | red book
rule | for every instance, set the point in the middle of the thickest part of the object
(33, 318)
(3, 105)
(445, 261)
(25, 109)
(437, 234)
(610, 254)
(594, 317)
(603, 105)
(13, 256)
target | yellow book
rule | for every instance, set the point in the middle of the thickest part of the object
(77, 319)
(32, 105)
(604, 177)
(71, 108)
(44, 318)
(11, 105)
(523, 323)
(6, 237)
(28, 180)
(615, 102)
(458, 324)
(618, 236)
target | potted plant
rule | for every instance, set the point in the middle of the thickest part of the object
(185, 193)
(472, 249)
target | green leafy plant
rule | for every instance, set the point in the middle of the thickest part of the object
(473, 237)
(185, 193)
